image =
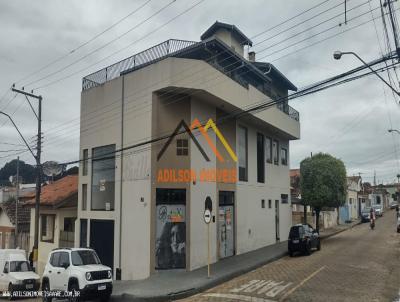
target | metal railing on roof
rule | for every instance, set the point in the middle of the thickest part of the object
(147, 56)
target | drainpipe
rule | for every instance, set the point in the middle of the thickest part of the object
(118, 272)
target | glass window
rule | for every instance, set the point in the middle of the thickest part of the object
(275, 151)
(285, 198)
(83, 233)
(268, 149)
(284, 156)
(55, 257)
(84, 197)
(84, 257)
(263, 203)
(47, 228)
(5, 270)
(260, 158)
(69, 224)
(269, 203)
(242, 154)
(64, 259)
(182, 147)
(85, 156)
(103, 178)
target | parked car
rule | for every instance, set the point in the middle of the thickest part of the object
(365, 214)
(393, 204)
(303, 238)
(16, 273)
(79, 270)
(378, 210)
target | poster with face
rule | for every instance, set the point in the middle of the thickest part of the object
(170, 237)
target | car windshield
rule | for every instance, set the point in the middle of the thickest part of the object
(377, 207)
(84, 257)
(19, 266)
(366, 210)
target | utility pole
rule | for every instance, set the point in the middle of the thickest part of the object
(16, 205)
(38, 167)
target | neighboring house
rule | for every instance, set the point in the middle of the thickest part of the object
(58, 202)
(352, 207)
(6, 193)
(7, 225)
(142, 209)
(379, 196)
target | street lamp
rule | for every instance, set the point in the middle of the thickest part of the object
(394, 130)
(337, 55)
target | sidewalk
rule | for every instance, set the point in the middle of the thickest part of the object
(337, 229)
(171, 285)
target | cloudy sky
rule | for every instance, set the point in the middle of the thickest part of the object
(349, 121)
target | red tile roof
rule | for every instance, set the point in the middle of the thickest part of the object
(58, 192)
(294, 172)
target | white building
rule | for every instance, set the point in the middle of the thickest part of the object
(142, 208)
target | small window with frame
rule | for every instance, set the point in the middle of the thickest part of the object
(263, 203)
(275, 151)
(284, 156)
(182, 147)
(268, 150)
(269, 204)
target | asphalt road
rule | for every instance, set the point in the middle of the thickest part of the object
(356, 265)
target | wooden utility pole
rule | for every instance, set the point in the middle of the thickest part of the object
(38, 166)
(16, 205)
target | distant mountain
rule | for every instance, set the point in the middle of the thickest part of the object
(27, 172)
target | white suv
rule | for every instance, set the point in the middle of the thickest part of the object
(79, 270)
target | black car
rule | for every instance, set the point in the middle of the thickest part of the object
(303, 238)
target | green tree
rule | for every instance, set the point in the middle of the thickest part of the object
(26, 171)
(323, 182)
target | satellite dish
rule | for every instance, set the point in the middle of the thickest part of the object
(51, 168)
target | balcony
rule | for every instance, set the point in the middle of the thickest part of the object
(293, 113)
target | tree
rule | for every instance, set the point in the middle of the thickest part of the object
(323, 182)
(26, 171)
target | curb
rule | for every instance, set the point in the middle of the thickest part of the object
(339, 231)
(211, 283)
(193, 291)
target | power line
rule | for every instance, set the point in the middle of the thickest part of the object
(85, 43)
(103, 46)
(146, 87)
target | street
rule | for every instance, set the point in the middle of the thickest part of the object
(356, 265)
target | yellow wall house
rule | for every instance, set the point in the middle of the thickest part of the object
(181, 112)
(58, 202)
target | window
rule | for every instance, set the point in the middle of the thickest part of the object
(275, 151)
(69, 224)
(47, 228)
(5, 270)
(378, 200)
(85, 156)
(242, 154)
(83, 233)
(182, 147)
(84, 257)
(284, 156)
(64, 259)
(54, 259)
(263, 203)
(84, 197)
(260, 158)
(285, 198)
(269, 203)
(103, 178)
(268, 149)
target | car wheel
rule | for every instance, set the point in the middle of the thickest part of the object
(308, 249)
(74, 288)
(11, 292)
(319, 245)
(46, 292)
(106, 298)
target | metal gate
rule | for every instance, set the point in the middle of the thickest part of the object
(226, 224)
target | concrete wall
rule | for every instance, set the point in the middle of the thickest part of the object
(253, 221)
(130, 99)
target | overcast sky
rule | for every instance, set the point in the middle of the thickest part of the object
(349, 121)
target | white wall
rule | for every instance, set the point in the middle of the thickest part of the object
(256, 226)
